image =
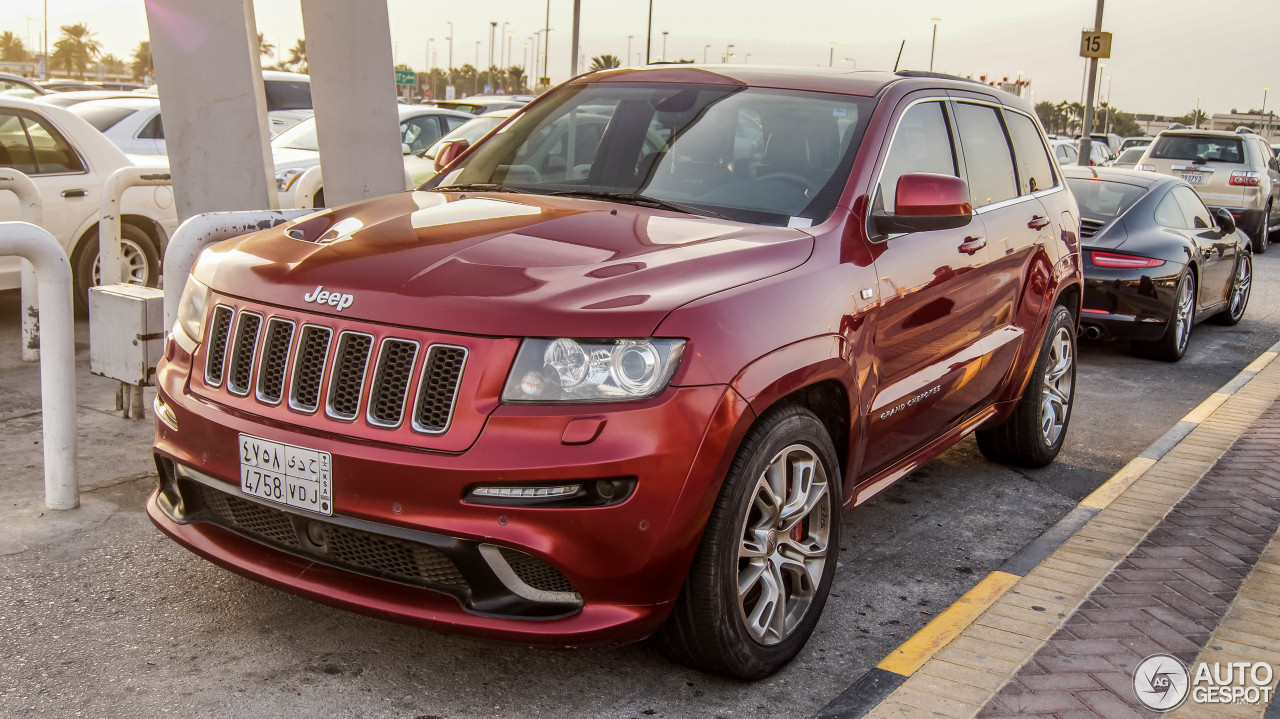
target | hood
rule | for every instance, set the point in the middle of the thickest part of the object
(500, 265)
(286, 158)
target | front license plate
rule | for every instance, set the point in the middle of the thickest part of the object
(1193, 178)
(286, 474)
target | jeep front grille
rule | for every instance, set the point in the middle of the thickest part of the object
(352, 374)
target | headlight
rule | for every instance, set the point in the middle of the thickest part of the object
(192, 308)
(566, 370)
(286, 178)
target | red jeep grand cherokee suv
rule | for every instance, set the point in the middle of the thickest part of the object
(617, 369)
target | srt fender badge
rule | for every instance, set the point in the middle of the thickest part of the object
(334, 299)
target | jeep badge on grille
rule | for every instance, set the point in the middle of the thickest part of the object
(321, 296)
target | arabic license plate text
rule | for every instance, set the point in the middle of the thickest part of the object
(286, 474)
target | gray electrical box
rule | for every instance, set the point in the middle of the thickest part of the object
(126, 332)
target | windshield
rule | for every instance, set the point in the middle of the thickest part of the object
(102, 117)
(470, 131)
(301, 136)
(1198, 148)
(287, 95)
(756, 155)
(1103, 199)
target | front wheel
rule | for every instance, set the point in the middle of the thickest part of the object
(768, 554)
(1034, 435)
(1177, 332)
(1241, 284)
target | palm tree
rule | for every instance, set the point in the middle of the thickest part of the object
(142, 64)
(515, 74)
(75, 49)
(298, 56)
(265, 49)
(111, 65)
(604, 62)
(11, 49)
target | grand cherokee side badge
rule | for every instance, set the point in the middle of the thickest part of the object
(334, 299)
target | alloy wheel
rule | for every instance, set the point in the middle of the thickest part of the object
(782, 552)
(1241, 287)
(136, 268)
(1184, 314)
(1055, 398)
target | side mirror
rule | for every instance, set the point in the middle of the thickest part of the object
(405, 149)
(924, 202)
(1225, 221)
(449, 152)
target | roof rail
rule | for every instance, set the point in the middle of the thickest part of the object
(1242, 130)
(936, 76)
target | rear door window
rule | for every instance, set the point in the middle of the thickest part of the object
(30, 147)
(921, 143)
(1199, 148)
(987, 155)
(1035, 169)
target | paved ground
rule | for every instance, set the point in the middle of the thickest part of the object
(1176, 569)
(104, 617)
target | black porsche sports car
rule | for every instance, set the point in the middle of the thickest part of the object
(1156, 260)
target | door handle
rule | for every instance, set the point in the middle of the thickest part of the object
(1038, 223)
(972, 244)
(74, 193)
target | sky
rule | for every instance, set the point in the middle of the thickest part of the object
(1165, 55)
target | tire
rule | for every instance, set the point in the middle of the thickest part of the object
(1262, 237)
(1241, 288)
(141, 256)
(712, 627)
(1177, 332)
(1034, 435)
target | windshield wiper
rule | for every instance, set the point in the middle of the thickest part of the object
(633, 198)
(479, 187)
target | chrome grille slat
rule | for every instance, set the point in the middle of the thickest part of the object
(390, 386)
(275, 358)
(438, 389)
(219, 332)
(308, 368)
(346, 379)
(248, 327)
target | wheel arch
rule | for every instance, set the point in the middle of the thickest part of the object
(151, 227)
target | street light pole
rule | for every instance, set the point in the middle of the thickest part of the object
(493, 28)
(1196, 117)
(705, 48)
(831, 56)
(626, 59)
(1264, 111)
(577, 16)
(648, 35)
(664, 45)
(934, 44)
(450, 45)
(546, 54)
(502, 57)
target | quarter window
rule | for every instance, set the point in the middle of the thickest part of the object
(1197, 215)
(921, 143)
(1169, 213)
(986, 154)
(1035, 171)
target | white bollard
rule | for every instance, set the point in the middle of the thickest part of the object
(57, 357)
(31, 209)
(311, 181)
(199, 232)
(110, 260)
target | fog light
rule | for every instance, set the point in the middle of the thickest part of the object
(164, 413)
(551, 492)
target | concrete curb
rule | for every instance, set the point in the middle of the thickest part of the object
(878, 684)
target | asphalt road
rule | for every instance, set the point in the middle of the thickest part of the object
(103, 617)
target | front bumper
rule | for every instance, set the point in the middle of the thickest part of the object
(623, 563)
(1126, 303)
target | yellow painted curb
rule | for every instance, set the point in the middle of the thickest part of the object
(935, 635)
(1119, 482)
(1262, 361)
(1206, 408)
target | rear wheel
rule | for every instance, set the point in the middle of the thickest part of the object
(1033, 436)
(141, 262)
(1262, 237)
(763, 570)
(1177, 332)
(1241, 284)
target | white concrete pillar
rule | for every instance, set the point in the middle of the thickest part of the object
(215, 111)
(354, 93)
